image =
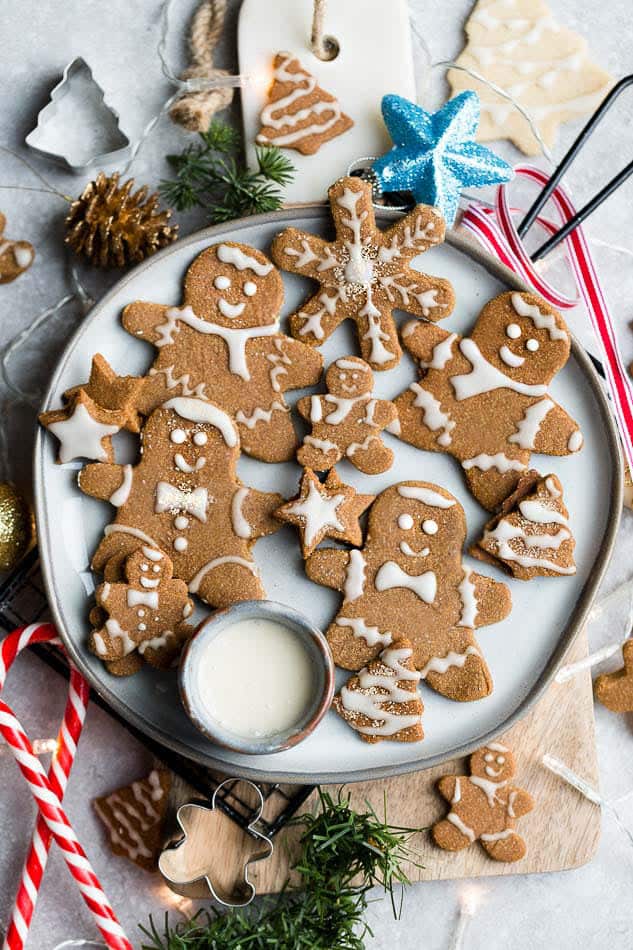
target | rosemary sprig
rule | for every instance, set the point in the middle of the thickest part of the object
(343, 855)
(210, 176)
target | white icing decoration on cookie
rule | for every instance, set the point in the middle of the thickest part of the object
(529, 426)
(128, 529)
(376, 689)
(105, 591)
(513, 331)
(429, 526)
(360, 629)
(323, 445)
(241, 526)
(180, 544)
(312, 321)
(499, 461)
(136, 598)
(433, 417)
(408, 551)
(532, 345)
(498, 835)
(184, 381)
(115, 632)
(200, 438)
(378, 353)
(505, 532)
(466, 590)
(391, 575)
(279, 360)
(230, 310)
(99, 644)
(259, 415)
(394, 427)
(485, 378)
(441, 664)
(355, 576)
(171, 498)
(221, 282)
(344, 406)
(156, 643)
(539, 512)
(80, 436)
(183, 465)
(405, 521)
(195, 410)
(23, 256)
(442, 351)
(461, 826)
(152, 554)
(318, 512)
(457, 792)
(149, 582)
(122, 493)
(489, 788)
(575, 441)
(540, 320)
(550, 484)
(497, 747)
(177, 436)
(316, 409)
(343, 363)
(426, 495)
(194, 584)
(510, 358)
(354, 447)
(241, 260)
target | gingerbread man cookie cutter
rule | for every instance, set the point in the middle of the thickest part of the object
(189, 861)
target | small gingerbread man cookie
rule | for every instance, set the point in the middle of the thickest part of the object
(224, 344)
(328, 509)
(409, 582)
(484, 399)
(381, 701)
(347, 421)
(484, 806)
(15, 256)
(144, 614)
(615, 690)
(365, 273)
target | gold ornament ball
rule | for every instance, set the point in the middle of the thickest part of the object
(17, 526)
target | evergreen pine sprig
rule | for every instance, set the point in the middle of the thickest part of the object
(210, 176)
(343, 854)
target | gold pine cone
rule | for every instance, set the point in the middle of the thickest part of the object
(111, 226)
(17, 526)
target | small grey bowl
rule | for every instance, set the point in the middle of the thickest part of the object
(317, 648)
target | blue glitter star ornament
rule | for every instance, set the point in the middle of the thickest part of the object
(434, 154)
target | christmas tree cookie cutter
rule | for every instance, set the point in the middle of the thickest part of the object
(93, 138)
(196, 855)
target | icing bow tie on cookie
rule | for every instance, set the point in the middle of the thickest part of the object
(170, 498)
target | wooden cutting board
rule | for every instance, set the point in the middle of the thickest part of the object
(562, 831)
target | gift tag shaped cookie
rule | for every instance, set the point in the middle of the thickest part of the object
(484, 398)
(408, 582)
(198, 857)
(485, 806)
(366, 32)
(15, 256)
(134, 818)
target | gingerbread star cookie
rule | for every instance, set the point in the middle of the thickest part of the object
(84, 429)
(381, 701)
(530, 535)
(327, 509)
(615, 690)
(347, 421)
(112, 392)
(364, 273)
(134, 817)
(15, 256)
(299, 114)
(485, 806)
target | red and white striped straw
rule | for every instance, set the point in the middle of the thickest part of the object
(48, 792)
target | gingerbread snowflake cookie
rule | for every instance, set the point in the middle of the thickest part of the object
(530, 535)
(299, 114)
(381, 701)
(224, 344)
(365, 273)
(347, 421)
(184, 497)
(485, 806)
(15, 256)
(134, 818)
(144, 614)
(328, 509)
(615, 690)
(408, 582)
(484, 398)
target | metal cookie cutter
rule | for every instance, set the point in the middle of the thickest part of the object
(193, 858)
(71, 146)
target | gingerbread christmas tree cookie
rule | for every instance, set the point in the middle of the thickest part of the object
(530, 535)
(408, 582)
(328, 509)
(299, 114)
(381, 701)
(184, 497)
(615, 690)
(484, 398)
(224, 344)
(134, 818)
(144, 614)
(15, 256)
(485, 806)
(364, 274)
(347, 421)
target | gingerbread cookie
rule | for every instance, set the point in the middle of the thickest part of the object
(530, 536)
(615, 690)
(144, 613)
(382, 701)
(483, 398)
(134, 817)
(15, 256)
(328, 509)
(114, 393)
(299, 114)
(365, 273)
(347, 421)
(408, 582)
(184, 497)
(223, 344)
(484, 806)
(83, 428)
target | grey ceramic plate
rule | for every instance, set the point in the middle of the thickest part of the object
(523, 651)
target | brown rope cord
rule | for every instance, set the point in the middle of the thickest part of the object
(317, 39)
(194, 110)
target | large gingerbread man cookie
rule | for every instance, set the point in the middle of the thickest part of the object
(347, 421)
(408, 582)
(484, 806)
(185, 498)
(143, 615)
(224, 344)
(484, 399)
(365, 273)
